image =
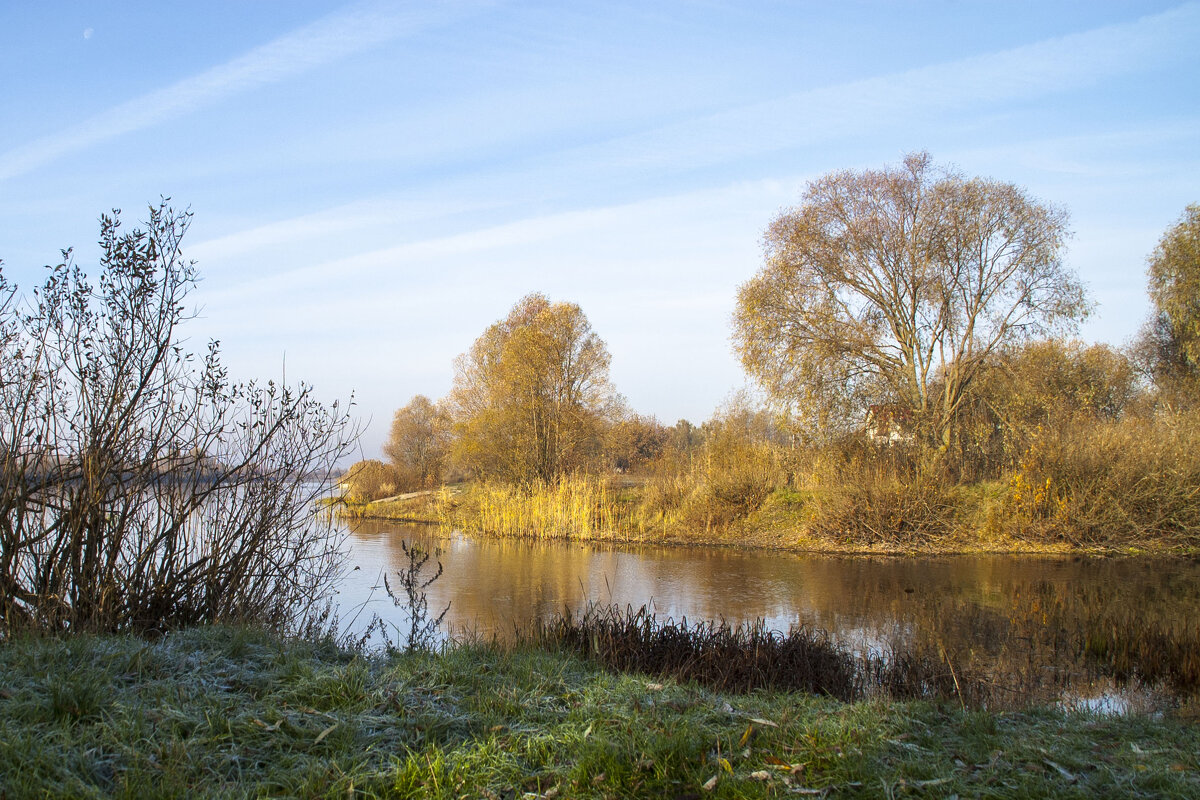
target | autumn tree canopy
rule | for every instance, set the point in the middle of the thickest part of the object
(418, 442)
(895, 285)
(531, 395)
(1171, 341)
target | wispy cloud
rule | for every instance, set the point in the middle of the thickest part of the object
(1027, 72)
(986, 81)
(351, 30)
(369, 215)
(907, 104)
(646, 224)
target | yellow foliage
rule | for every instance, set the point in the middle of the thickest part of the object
(574, 507)
(1110, 483)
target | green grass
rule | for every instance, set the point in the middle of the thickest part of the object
(224, 712)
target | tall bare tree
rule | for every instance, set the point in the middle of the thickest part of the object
(531, 394)
(895, 286)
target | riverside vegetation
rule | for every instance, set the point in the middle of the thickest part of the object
(920, 391)
(1076, 483)
(140, 488)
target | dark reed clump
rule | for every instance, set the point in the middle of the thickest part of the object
(725, 657)
(1165, 652)
(747, 657)
(922, 671)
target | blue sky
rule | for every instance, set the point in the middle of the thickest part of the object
(374, 183)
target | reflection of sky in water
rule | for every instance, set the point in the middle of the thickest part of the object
(977, 606)
(493, 585)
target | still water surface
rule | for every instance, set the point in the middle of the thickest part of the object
(1022, 620)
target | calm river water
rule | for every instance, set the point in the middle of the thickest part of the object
(1034, 624)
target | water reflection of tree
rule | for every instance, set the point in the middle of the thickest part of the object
(1012, 625)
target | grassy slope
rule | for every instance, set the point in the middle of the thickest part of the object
(221, 712)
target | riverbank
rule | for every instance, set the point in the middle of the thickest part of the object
(232, 712)
(974, 519)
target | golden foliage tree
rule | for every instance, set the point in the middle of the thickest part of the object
(369, 480)
(418, 442)
(531, 396)
(1041, 386)
(1171, 342)
(896, 286)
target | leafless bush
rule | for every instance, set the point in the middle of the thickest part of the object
(140, 489)
(415, 579)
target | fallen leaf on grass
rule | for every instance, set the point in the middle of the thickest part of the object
(766, 722)
(760, 775)
(599, 779)
(266, 727)
(654, 687)
(326, 732)
(711, 783)
(1070, 778)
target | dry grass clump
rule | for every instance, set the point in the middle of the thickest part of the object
(1112, 484)
(575, 507)
(865, 498)
(727, 481)
(726, 657)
